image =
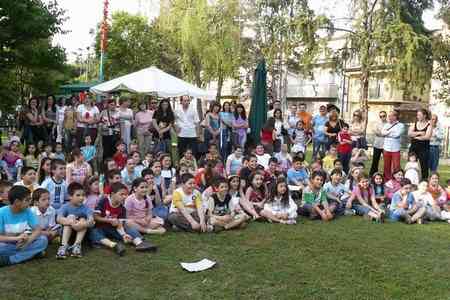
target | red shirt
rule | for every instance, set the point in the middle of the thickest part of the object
(105, 210)
(267, 136)
(344, 148)
(120, 159)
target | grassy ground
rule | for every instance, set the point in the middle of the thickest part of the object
(348, 258)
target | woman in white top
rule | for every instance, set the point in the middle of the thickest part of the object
(357, 129)
(280, 129)
(126, 120)
(87, 120)
(437, 137)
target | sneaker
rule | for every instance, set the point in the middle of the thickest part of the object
(119, 248)
(62, 252)
(76, 250)
(40, 255)
(349, 212)
(146, 246)
(4, 261)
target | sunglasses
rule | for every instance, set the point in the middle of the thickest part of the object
(382, 116)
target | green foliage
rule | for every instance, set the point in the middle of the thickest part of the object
(208, 36)
(134, 44)
(286, 31)
(29, 63)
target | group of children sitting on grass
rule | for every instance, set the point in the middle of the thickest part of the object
(66, 204)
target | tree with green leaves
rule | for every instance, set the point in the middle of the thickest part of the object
(134, 44)
(287, 34)
(441, 55)
(29, 63)
(208, 36)
(389, 37)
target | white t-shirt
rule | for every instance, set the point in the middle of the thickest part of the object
(84, 112)
(263, 160)
(186, 120)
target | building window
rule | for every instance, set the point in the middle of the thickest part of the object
(376, 88)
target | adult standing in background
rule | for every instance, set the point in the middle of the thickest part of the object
(226, 125)
(109, 119)
(87, 119)
(34, 130)
(163, 122)
(304, 116)
(143, 124)
(281, 131)
(212, 125)
(292, 119)
(126, 120)
(240, 126)
(187, 127)
(49, 117)
(60, 112)
(392, 132)
(332, 127)
(357, 128)
(276, 105)
(318, 126)
(420, 134)
(437, 137)
(378, 143)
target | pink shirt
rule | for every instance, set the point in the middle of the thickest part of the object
(138, 209)
(143, 120)
(91, 201)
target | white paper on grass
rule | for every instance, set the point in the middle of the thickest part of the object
(201, 265)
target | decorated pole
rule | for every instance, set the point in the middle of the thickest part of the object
(103, 39)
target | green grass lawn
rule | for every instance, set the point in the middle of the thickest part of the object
(349, 258)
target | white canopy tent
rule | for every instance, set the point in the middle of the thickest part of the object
(151, 81)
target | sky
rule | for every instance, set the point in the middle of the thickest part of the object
(84, 15)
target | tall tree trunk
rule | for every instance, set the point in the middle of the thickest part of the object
(219, 87)
(365, 97)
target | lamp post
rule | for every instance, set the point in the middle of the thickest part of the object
(103, 39)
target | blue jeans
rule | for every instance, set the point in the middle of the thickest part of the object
(319, 146)
(434, 158)
(360, 210)
(20, 255)
(97, 234)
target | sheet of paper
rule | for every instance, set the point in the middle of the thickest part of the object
(202, 265)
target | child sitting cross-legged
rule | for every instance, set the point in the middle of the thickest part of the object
(314, 199)
(280, 207)
(45, 213)
(17, 242)
(139, 210)
(110, 218)
(76, 217)
(363, 202)
(186, 210)
(337, 193)
(223, 214)
(403, 206)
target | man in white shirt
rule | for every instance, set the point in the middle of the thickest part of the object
(392, 132)
(378, 143)
(276, 105)
(187, 127)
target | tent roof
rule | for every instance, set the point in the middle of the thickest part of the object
(151, 81)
